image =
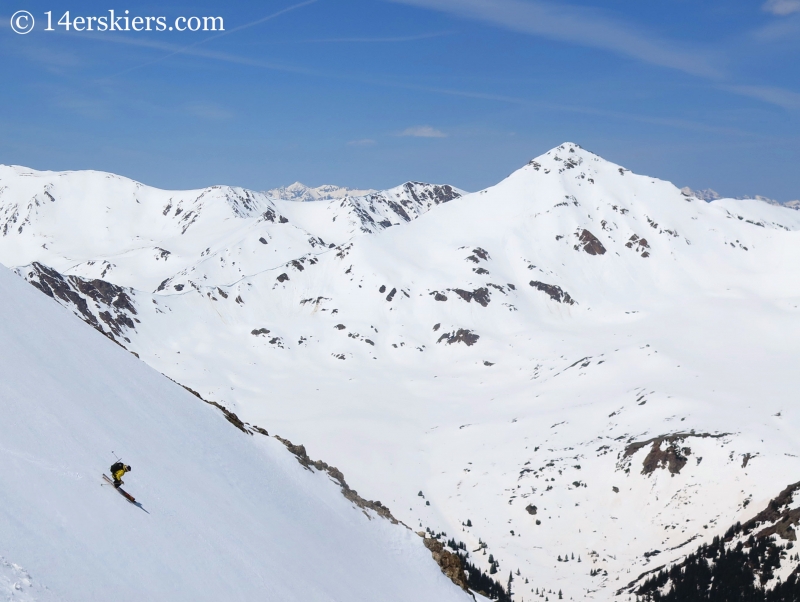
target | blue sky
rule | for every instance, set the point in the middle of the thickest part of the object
(371, 93)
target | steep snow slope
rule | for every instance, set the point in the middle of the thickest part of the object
(577, 361)
(223, 515)
(98, 225)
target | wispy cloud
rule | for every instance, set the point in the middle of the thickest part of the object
(776, 96)
(362, 142)
(680, 124)
(782, 7)
(777, 29)
(188, 49)
(579, 25)
(423, 131)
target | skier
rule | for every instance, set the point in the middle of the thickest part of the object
(117, 470)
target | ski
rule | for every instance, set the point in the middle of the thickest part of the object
(122, 492)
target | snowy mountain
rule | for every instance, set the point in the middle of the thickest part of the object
(712, 195)
(706, 194)
(304, 194)
(101, 226)
(221, 514)
(580, 374)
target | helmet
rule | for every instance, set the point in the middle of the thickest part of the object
(128, 468)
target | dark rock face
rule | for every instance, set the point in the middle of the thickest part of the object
(112, 311)
(777, 518)
(283, 277)
(479, 295)
(589, 243)
(462, 335)
(555, 292)
(672, 457)
(641, 244)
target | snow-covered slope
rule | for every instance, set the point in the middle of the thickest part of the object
(99, 225)
(576, 361)
(223, 515)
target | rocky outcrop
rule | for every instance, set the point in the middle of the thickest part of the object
(462, 335)
(673, 457)
(351, 494)
(589, 243)
(449, 563)
(105, 306)
(554, 292)
(777, 518)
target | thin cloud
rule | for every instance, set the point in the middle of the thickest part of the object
(623, 116)
(489, 97)
(362, 142)
(578, 25)
(187, 49)
(423, 131)
(782, 7)
(777, 29)
(775, 96)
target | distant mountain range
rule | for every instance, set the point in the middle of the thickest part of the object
(708, 194)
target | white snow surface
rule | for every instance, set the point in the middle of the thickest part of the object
(304, 194)
(223, 515)
(686, 324)
(99, 225)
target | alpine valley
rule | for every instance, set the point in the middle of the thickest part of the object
(581, 381)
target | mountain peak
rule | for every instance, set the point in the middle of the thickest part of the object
(301, 193)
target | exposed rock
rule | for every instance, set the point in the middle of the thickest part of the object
(112, 311)
(449, 563)
(589, 243)
(480, 295)
(462, 335)
(229, 416)
(782, 518)
(672, 457)
(555, 292)
(642, 246)
(300, 453)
